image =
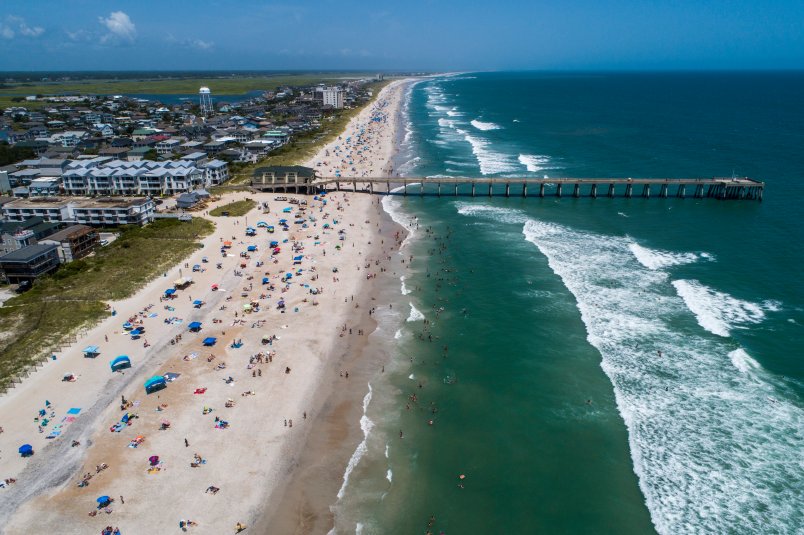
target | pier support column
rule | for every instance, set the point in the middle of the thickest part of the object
(646, 191)
(629, 190)
(354, 187)
(576, 191)
(473, 189)
(388, 187)
(490, 185)
(682, 191)
(594, 191)
(456, 189)
(421, 188)
(439, 189)
(663, 191)
(698, 193)
(371, 188)
(558, 191)
(507, 189)
(541, 189)
(524, 189)
(405, 189)
(611, 190)
(337, 186)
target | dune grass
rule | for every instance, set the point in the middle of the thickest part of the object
(234, 209)
(49, 315)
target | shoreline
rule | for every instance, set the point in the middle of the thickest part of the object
(306, 502)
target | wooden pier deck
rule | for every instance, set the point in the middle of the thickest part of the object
(730, 188)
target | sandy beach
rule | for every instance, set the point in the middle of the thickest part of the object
(221, 443)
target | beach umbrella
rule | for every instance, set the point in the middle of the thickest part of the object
(120, 362)
(170, 291)
(154, 460)
(210, 341)
(127, 326)
(195, 326)
(103, 500)
(197, 303)
(26, 450)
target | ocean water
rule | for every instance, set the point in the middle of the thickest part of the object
(593, 365)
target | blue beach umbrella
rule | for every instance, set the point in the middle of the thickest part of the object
(210, 341)
(195, 326)
(170, 291)
(26, 450)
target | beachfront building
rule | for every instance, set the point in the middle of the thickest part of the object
(95, 212)
(18, 234)
(331, 96)
(74, 242)
(28, 263)
(216, 172)
(119, 177)
(290, 178)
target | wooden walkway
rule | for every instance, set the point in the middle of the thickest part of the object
(713, 188)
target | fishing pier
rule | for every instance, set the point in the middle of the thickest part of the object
(731, 188)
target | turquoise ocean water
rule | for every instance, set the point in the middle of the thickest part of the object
(611, 365)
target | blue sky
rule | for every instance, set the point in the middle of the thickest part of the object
(400, 35)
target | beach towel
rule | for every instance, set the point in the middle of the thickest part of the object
(200, 390)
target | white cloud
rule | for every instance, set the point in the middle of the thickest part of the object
(120, 27)
(14, 25)
(190, 43)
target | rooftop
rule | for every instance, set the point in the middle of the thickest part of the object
(28, 253)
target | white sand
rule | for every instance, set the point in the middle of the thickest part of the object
(252, 458)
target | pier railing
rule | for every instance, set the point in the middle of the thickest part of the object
(731, 188)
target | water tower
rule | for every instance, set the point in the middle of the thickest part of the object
(206, 101)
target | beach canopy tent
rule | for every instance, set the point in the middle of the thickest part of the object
(128, 326)
(197, 267)
(195, 326)
(265, 280)
(197, 303)
(170, 291)
(120, 363)
(287, 210)
(91, 351)
(298, 258)
(283, 221)
(210, 341)
(274, 243)
(227, 244)
(157, 382)
(26, 450)
(251, 248)
(182, 282)
(262, 224)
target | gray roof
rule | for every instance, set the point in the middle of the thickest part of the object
(28, 253)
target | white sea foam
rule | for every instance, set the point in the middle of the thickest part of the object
(393, 207)
(459, 164)
(454, 113)
(366, 425)
(412, 377)
(386, 450)
(389, 475)
(358, 528)
(743, 361)
(415, 315)
(717, 312)
(710, 450)
(490, 161)
(480, 125)
(494, 213)
(656, 259)
(398, 334)
(534, 162)
(403, 288)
